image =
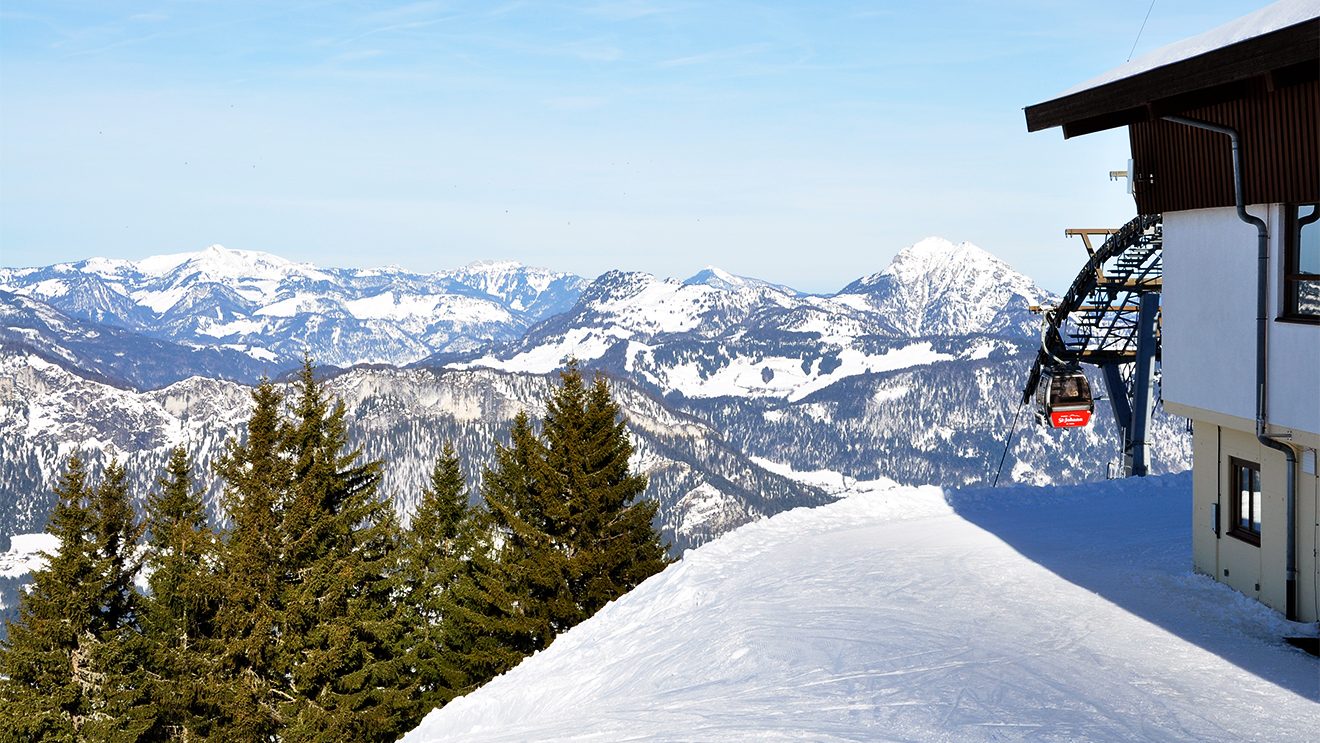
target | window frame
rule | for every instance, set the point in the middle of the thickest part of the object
(1292, 276)
(1236, 529)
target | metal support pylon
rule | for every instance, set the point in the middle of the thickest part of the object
(1143, 386)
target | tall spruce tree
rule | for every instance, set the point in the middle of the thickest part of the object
(495, 613)
(569, 525)
(66, 665)
(620, 548)
(343, 629)
(532, 519)
(438, 543)
(250, 681)
(120, 657)
(179, 615)
(311, 638)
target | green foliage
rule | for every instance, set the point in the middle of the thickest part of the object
(251, 570)
(311, 634)
(64, 660)
(314, 616)
(570, 533)
(438, 548)
(178, 623)
(342, 630)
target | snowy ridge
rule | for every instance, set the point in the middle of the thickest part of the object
(403, 416)
(27, 552)
(720, 335)
(919, 614)
(278, 308)
(115, 354)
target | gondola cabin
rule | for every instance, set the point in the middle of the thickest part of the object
(1063, 398)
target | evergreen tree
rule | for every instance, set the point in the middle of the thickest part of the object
(570, 533)
(532, 521)
(119, 658)
(438, 545)
(343, 632)
(490, 616)
(249, 683)
(65, 665)
(179, 615)
(610, 543)
(621, 547)
(485, 629)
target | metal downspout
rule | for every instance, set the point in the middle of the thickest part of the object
(1262, 310)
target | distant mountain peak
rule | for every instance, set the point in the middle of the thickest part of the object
(494, 264)
(933, 248)
(936, 286)
(719, 278)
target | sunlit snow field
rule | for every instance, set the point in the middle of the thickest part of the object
(913, 614)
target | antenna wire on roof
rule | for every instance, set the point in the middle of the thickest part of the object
(1143, 28)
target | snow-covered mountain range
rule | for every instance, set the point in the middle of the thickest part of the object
(404, 416)
(911, 374)
(272, 309)
(718, 335)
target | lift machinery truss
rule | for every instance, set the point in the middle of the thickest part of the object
(1110, 318)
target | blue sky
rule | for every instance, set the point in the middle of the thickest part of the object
(803, 143)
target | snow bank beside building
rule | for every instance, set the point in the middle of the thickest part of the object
(914, 614)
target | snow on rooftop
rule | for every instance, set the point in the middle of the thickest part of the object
(1066, 613)
(1271, 18)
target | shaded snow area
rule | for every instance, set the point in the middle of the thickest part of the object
(915, 614)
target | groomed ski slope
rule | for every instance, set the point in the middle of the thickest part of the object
(1064, 613)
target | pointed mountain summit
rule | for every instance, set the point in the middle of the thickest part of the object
(937, 287)
(718, 278)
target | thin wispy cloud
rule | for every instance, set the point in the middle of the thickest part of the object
(715, 55)
(627, 10)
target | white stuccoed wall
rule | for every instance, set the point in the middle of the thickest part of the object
(1209, 307)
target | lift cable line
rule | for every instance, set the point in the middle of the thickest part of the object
(1109, 318)
(1139, 31)
(1008, 442)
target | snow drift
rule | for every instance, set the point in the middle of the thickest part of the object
(1063, 613)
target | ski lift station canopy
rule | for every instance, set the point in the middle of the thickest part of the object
(1259, 74)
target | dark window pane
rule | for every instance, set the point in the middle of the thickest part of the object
(1308, 240)
(1303, 261)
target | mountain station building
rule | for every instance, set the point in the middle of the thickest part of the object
(1225, 135)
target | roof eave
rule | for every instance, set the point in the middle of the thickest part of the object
(1181, 85)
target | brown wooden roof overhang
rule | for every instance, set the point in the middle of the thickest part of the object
(1287, 56)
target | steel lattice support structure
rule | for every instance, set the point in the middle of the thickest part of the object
(1110, 318)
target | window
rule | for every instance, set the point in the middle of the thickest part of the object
(1245, 509)
(1301, 263)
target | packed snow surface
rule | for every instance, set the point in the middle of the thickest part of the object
(916, 614)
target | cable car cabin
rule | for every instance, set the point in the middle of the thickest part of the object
(1063, 398)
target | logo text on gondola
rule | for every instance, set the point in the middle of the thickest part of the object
(1070, 418)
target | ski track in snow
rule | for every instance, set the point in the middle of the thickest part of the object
(913, 614)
